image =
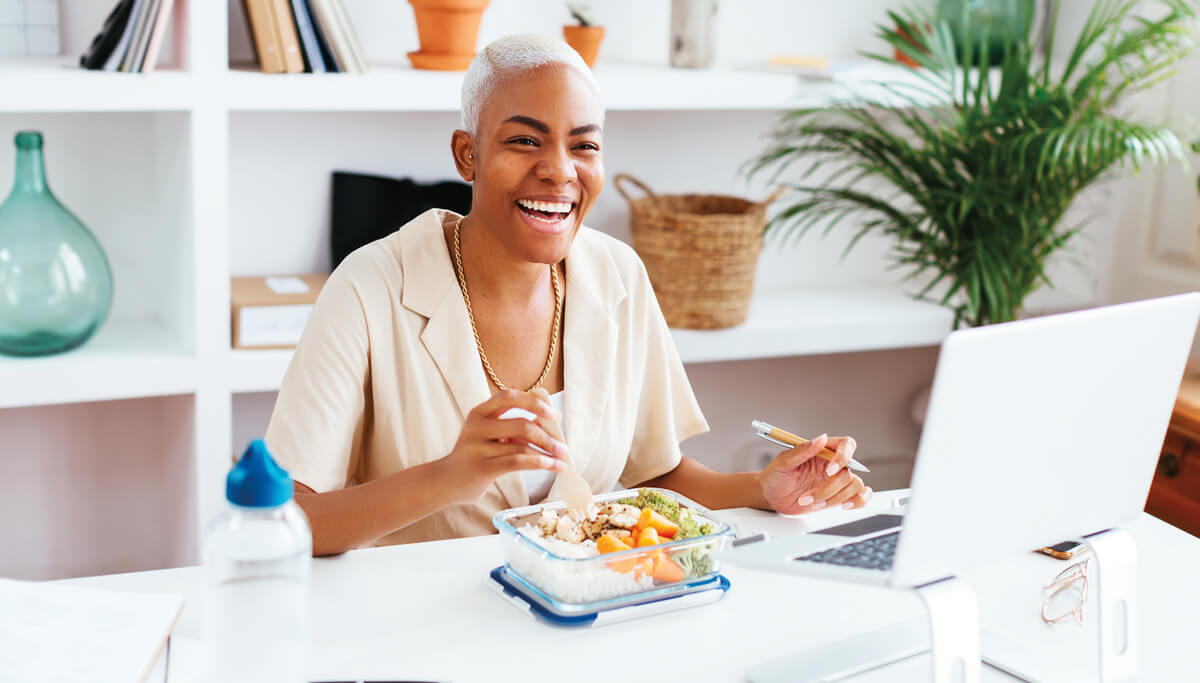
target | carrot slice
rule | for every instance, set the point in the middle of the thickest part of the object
(649, 536)
(665, 569)
(651, 519)
(610, 544)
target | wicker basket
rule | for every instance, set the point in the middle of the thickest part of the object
(700, 250)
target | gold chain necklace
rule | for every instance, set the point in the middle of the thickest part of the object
(558, 300)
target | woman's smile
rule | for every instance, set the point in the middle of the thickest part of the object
(547, 215)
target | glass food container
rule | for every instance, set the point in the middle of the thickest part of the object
(567, 579)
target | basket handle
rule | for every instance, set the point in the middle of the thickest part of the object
(774, 195)
(625, 177)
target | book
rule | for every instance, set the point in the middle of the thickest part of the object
(347, 28)
(56, 632)
(285, 25)
(331, 64)
(314, 61)
(264, 37)
(274, 35)
(157, 34)
(342, 41)
(113, 63)
(270, 312)
(106, 40)
(137, 42)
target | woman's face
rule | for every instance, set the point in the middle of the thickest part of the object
(536, 162)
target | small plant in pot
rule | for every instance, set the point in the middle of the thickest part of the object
(447, 30)
(585, 36)
(970, 178)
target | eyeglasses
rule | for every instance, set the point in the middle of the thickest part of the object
(1067, 594)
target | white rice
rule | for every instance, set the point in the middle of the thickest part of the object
(569, 581)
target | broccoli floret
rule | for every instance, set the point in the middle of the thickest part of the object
(695, 561)
(664, 505)
(706, 529)
(688, 528)
(627, 501)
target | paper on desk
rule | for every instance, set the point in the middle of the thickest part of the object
(51, 632)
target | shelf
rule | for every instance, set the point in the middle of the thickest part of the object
(124, 360)
(791, 323)
(625, 87)
(57, 84)
(816, 321)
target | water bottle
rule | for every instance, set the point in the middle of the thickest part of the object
(258, 554)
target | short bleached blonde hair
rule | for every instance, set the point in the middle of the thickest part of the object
(513, 56)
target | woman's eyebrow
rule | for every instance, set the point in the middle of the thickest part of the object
(545, 129)
(529, 121)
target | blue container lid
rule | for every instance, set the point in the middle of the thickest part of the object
(256, 481)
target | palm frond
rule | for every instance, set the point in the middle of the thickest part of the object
(971, 175)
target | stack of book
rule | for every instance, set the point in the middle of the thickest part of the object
(131, 37)
(314, 36)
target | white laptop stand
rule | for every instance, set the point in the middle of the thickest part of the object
(1115, 580)
(954, 632)
(953, 615)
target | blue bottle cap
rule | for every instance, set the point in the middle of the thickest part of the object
(256, 481)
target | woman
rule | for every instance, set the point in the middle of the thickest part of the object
(395, 415)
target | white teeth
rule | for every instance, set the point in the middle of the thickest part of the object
(548, 207)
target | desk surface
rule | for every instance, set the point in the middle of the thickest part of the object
(423, 611)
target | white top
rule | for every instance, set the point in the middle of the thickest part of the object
(538, 482)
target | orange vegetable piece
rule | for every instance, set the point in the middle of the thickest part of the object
(645, 567)
(624, 565)
(648, 537)
(610, 544)
(665, 569)
(650, 519)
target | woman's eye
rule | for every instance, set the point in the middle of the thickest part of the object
(590, 146)
(523, 141)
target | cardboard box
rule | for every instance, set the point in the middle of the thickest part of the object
(270, 312)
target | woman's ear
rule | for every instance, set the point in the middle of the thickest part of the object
(462, 147)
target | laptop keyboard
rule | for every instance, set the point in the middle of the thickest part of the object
(872, 553)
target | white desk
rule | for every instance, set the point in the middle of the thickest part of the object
(423, 611)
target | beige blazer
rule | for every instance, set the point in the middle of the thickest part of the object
(387, 370)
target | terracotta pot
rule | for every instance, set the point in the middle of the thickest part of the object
(447, 30)
(585, 40)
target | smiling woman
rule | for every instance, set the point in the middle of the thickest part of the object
(442, 365)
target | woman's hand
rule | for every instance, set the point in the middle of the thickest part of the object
(797, 481)
(488, 446)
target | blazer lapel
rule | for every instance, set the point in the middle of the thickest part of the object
(431, 289)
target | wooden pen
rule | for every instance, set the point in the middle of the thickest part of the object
(788, 440)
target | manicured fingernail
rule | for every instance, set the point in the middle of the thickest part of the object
(832, 468)
(818, 505)
(847, 505)
(549, 463)
(804, 500)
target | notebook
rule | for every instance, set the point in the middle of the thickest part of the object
(51, 632)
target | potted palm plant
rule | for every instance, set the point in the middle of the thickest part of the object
(584, 37)
(972, 173)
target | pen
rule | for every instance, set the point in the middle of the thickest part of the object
(788, 440)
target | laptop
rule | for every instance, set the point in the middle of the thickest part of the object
(1037, 431)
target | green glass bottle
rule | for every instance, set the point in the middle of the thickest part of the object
(55, 282)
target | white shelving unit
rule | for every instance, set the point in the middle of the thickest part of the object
(173, 261)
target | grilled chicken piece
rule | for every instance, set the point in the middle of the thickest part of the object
(548, 522)
(569, 530)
